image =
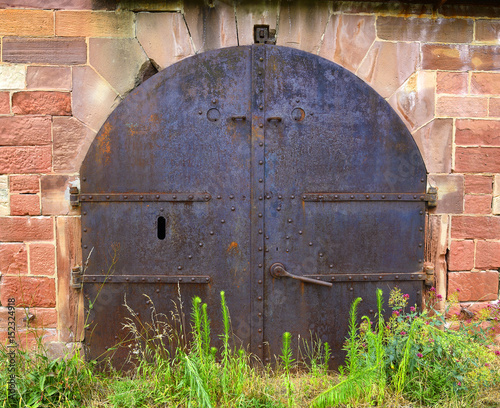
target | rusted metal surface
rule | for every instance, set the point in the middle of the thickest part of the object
(274, 156)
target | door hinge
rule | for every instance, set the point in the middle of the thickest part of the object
(74, 196)
(429, 273)
(76, 277)
(431, 197)
(262, 34)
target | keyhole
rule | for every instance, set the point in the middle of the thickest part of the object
(161, 230)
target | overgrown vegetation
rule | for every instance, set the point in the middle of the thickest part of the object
(410, 359)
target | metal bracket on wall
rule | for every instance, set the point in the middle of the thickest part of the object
(263, 35)
(431, 197)
(76, 277)
(74, 198)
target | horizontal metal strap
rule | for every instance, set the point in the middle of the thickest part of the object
(372, 277)
(146, 279)
(145, 197)
(329, 197)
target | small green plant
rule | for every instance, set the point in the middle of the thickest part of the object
(287, 359)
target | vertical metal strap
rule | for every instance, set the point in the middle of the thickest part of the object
(257, 197)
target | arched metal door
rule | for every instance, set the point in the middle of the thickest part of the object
(233, 168)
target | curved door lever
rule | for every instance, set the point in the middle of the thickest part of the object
(278, 270)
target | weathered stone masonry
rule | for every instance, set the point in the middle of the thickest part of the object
(65, 65)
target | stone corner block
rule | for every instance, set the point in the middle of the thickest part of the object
(450, 189)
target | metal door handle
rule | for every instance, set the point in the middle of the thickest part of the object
(278, 270)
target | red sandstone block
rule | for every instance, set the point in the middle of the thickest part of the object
(28, 291)
(477, 132)
(24, 184)
(25, 130)
(38, 317)
(4, 103)
(462, 310)
(475, 184)
(50, 51)
(25, 159)
(474, 286)
(461, 257)
(477, 160)
(494, 108)
(485, 83)
(477, 204)
(41, 103)
(470, 227)
(26, 22)
(28, 339)
(462, 106)
(48, 77)
(460, 57)
(13, 259)
(42, 259)
(451, 82)
(24, 204)
(488, 255)
(18, 229)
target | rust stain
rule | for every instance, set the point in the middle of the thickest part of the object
(104, 142)
(233, 247)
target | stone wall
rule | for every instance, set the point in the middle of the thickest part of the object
(65, 65)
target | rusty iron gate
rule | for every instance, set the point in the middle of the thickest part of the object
(264, 171)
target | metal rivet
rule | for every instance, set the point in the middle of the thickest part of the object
(304, 197)
(90, 197)
(320, 197)
(200, 112)
(420, 229)
(107, 197)
(214, 101)
(365, 277)
(371, 311)
(292, 197)
(260, 265)
(300, 232)
(105, 347)
(207, 197)
(259, 73)
(260, 215)
(336, 196)
(287, 237)
(200, 244)
(267, 249)
(157, 290)
(233, 208)
(350, 277)
(260, 330)
(352, 197)
(219, 197)
(261, 162)
(261, 59)
(157, 196)
(93, 279)
(268, 196)
(422, 198)
(179, 267)
(267, 236)
(260, 346)
(127, 279)
(84, 179)
(367, 196)
(310, 244)
(331, 265)
(399, 197)
(260, 231)
(290, 220)
(420, 261)
(278, 208)
(259, 314)
(125, 197)
(158, 279)
(207, 279)
(351, 289)
(85, 246)
(421, 212)
(420, 245)
(259, 298)
(321, 254)
(85, 213)
(397, 277)
(414, 197)
(190, 197)
(231, 197)
(260, 248)
(192, 279)
(261, 107)
(333, 278)
(211, 233)
(383, 197)
(190, 256)
(180, 279)
(261, 180)
(380, 277)
(85, 230)
(422, 180)
(260, 197)
(174, 197)
(297, 100)
(261, 125)
(143, 279)
(222, 221)
(141, 197)
(261, 89)
(259, 281)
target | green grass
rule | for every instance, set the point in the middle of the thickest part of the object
(409, 359)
